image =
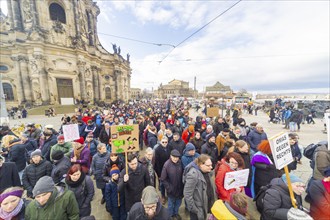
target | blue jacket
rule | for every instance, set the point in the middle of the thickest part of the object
(111, 196)
(97, 166)
(92, 147)
(187, 159)
(254, 138)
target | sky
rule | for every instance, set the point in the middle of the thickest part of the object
(261, 46)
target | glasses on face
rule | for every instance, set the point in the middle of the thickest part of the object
(164, 142)
(148, 208)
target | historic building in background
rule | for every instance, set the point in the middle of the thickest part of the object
(175, 88)
(217, 91)
(50, 53)
(136, 93)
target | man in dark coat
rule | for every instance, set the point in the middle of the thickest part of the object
(133, 183)
(152, 137)
(177, 143)
(61, 166)
(8, 175)
(149, 207)
(105, 133)
(255, 137)
(17, 154)
(33, 172)
(211, 149)
(50, 140)
(162, 154)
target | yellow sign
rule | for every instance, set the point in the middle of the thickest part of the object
(124, 138)
(212, 112)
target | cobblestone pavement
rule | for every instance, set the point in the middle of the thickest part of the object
(309, 134)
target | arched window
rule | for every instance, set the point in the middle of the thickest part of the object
(3, 68)
(107, 93)
(8, 91)
(57, 13)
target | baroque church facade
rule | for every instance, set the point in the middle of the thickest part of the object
(50, 54)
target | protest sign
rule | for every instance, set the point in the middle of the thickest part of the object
(212, 112)
(70, 132)
(236, 179)
(281, 150)
(124, 138)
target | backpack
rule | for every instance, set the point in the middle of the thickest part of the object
(309, 152)
(259, 198)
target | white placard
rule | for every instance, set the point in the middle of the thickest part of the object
(70, 132)
(327, 122)
(281, 150)
(67, 101)
(236, 179)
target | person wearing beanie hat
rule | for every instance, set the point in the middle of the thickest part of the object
(208, 131)
(319, 192)
(171, 177)
(80, 140)
(189, 154)
(277, 202)
(211, 149)
(12, 206)
(38, 168)
(61, 166)
(112, 196)
(55, 202)
(65, 147)
(149, 207)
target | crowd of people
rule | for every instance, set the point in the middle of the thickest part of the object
(182, 161)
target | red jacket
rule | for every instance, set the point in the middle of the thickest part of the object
(223, 194)
(185, 135)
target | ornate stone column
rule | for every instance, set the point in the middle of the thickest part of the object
(116, 78)
(19, 82)
(95, 82)
(25, 78)
(40, 59)
(82, 81)
(35, 83)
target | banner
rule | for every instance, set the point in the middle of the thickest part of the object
(70, 132)
(281, 150)
(236, 179)
(212, 112)
(124, 138)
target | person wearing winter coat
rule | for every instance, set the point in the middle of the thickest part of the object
(277, 201)
(29, 144)
(133, 183)
(38, 168)
(255, 137)
(8, 175)
(162, 154)
(295, 151)
(105, 133)
(177, 127)
(65, 147)
(232, 162)
(91, 144)
(319, 191)
(33, 132)
(12, 206)
(263, 168)
(91, 128)
(152, 136)
(61, 166)
(188, 134)
(16, 154)
(198, 124)
(115, 200)
(198, 190)
(177, 143)
(149, 207)
(99, 159)
(50, 140)
(211, 149)
(322, 161)
(111, 160)
(189, 155)
(197, 141)
(81, 127)
(218, 126)
(51, 202)
(148, 162)
(80, 155)
(172, 179)
(221, 139)
(83, 188)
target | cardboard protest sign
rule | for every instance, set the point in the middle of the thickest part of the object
(236, 179)
(212, 112)
(281, 150)
(70, 132)
(124, 138)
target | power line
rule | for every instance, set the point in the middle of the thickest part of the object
(198, 30)
(140, 41)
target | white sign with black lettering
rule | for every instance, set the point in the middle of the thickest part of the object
(236, 179)
(281, 150)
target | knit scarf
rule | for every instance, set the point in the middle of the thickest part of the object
(7, 216)
(77, 151)
(326, 186)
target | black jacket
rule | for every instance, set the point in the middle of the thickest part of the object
(34, 172)
(172, 178)
(9, 176)
(137, 212)
(152, 139)
(45, 150)
(211, 149)
(161, 156)
(104, 137)
(198, 143)
(138, 180)
(277, 201)
(17, 154)
(60, 168)
(177, 145)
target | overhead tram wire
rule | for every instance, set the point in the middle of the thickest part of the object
(140, 41)
(198, 30)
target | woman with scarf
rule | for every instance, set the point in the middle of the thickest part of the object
(148, 162)
(232, 162)
(80, 155)
(12, 206)
(263, 168)
(83, 188)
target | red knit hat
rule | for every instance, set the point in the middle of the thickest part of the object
(80, 140)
